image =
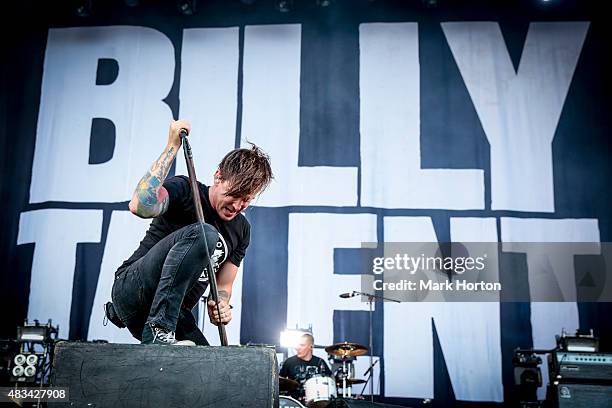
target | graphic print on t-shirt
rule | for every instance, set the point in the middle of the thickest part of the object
(218, 256)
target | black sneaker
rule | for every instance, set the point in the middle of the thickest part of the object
(152, 334)
(157, 335)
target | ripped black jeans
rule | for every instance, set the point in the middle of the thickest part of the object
(152, 289)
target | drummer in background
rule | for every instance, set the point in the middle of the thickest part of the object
(304, 364)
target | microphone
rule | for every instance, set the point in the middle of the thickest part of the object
(348, 295)
(183, 133)
(371, 367)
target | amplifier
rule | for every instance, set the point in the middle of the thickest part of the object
(583, 396)
(136, 376)
(570, 366)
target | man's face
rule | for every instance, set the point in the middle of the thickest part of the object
(227, 206)
(303, 348)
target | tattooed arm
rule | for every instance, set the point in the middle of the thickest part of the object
(225, 281)
(150, 198)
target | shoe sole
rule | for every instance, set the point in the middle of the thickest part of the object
(184, 343)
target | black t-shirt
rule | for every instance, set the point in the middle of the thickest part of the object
(233, 240)
(297, 369)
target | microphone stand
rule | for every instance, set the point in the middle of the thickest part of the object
(197, 203)
(370, 372)
(371, 298)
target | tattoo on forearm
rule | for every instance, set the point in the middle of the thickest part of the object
(147, 190)
(162, 165)
(150, 202)
(224, 295)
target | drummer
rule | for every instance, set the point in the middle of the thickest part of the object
(304, 364)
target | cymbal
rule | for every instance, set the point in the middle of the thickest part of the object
(287, 384)
(351, 381)
(346, 349)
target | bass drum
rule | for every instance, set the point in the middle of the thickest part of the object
(320, 390)
(288, 402)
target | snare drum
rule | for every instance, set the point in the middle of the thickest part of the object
(319, 391)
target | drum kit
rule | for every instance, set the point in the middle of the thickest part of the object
(319, 389)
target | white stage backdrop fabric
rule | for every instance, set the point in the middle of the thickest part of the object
(378, 131)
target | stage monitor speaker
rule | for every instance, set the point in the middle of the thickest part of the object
(584, 396)
(134, 375)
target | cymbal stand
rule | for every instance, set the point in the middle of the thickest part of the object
(346, 391)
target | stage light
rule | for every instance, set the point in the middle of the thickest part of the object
(290, 338)
(30, 365)
(19, 359)
(187, 7)
(248, 2)
(430, 3)
(132, 3)
(84, 8)
(17, 371)
(29, 371)
(324, 3)
(284, 6)
(32, 359)
(35, 332)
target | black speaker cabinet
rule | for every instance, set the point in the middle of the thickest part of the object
(135, 375)
(583, 396)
